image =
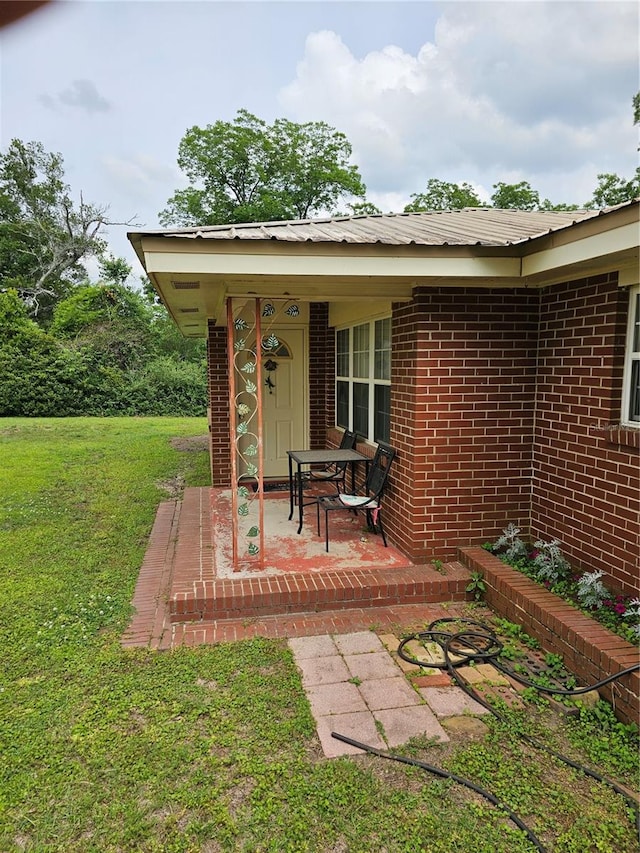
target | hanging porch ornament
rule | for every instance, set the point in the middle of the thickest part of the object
(270, 365)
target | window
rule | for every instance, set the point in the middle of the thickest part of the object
(363, 379)
(631, 388)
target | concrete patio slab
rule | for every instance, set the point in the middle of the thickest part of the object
(358, 643)
(451, 702)
(371, 665)
(383, 693)
(321, 646)
(327, 670)
(359, 726)
(401, 724)
(341, 698)
(183, 598)
(366, 696)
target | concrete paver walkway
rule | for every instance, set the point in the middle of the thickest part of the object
(357, 688)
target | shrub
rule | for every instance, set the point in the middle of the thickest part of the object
(510, 544)
(591, 591)
(549, 562)
(165, 386)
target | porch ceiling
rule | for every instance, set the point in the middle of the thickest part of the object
(194, 271)
(195, 284)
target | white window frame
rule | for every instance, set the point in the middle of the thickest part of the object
(370, 380)
(632, 356)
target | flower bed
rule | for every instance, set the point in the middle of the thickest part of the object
(589, 650)
(544, 563)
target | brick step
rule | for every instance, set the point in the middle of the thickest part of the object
(295, 593)
(399, 619)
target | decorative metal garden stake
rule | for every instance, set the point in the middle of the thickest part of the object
(241, 417)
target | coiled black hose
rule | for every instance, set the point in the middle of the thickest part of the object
(483, 645)
(479, 654)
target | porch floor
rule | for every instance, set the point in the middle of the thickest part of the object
(188, 592)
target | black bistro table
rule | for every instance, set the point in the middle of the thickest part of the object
(317, 457)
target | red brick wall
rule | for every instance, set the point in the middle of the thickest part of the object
(218, 376)
(463, 391)
(491, 424)
(586, 483)
(321, 375)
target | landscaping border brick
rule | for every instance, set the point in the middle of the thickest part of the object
(589, 650)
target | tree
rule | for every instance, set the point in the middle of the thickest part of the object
(519, 196)
(547, 205)
(115, 270)
(37, 376)
(111, 320)
(44, 237)
(364, 208)
(612, 190)
(248, 171)
(441, 195)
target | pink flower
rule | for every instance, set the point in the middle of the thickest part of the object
(620, 608)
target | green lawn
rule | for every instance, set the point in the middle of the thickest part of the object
(210, 749)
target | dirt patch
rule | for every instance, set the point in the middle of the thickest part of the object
(173, 487)
(191, 444)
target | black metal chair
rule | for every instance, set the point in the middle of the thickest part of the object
(337, 472)
(369, 498)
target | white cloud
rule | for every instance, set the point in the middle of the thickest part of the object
(477, 92)
(537, 91)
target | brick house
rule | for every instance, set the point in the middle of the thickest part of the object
(497, 350)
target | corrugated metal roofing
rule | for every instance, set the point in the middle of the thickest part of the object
(473, 226)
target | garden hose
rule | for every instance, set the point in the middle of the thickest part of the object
(477, 654)
(484, 645)
(445, 775)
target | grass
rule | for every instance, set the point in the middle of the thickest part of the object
(210, 749)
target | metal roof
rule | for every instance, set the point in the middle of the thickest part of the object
(472, 226)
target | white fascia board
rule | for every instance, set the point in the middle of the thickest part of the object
(621, 239)
(332, 267)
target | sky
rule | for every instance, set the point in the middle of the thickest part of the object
(476, 92)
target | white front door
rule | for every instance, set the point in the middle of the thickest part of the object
(284, 396)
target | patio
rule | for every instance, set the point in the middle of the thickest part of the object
(188, 593)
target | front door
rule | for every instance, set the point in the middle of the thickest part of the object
(284, 395)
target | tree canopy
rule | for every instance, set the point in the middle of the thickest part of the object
(44, 236)
(248, 171)
(69, 346)
(442, 195)
(612, 190)
(72, 346)
(518, 196)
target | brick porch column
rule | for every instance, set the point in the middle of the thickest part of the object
(218, 382)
